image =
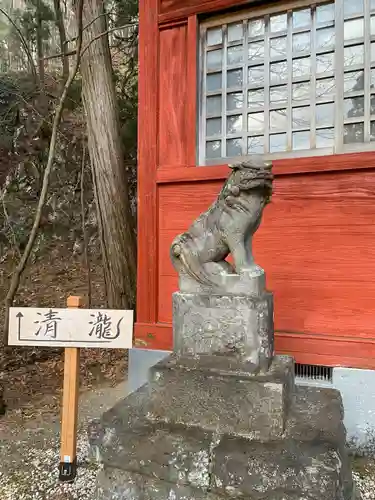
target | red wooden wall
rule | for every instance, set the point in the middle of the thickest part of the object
(316, 240)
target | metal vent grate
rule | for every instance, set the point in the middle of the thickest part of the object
(313, 372)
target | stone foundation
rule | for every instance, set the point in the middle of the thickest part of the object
(199, 430)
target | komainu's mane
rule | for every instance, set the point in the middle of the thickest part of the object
(249, 175)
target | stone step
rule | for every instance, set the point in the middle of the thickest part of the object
(205, 392)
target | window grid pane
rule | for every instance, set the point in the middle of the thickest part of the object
(269, 82)
(244, 87)
(313, 80)
(224, 85)
(298, 69)
(368, 71)
(265, 143)
(355, 103)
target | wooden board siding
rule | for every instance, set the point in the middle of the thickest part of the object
(315, 244)
(172, 97)
(316, 241)
(147, 160)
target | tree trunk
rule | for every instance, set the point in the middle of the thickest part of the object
(39, 41)
(61, 27)
(116, 222)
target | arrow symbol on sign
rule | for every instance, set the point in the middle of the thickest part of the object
(19, 316)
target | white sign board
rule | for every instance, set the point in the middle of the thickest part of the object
(71, 327)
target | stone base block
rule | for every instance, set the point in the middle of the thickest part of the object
(222, 400)
(240, 326)
(243, 469)
(144, 461)
(116, 484)
(177, 455)
(124, 437)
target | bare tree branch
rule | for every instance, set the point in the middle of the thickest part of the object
(104, 33)
(16, 276)
(88, 25)
(87, 46)
(61, 54)
(24, 45)
(105, 14)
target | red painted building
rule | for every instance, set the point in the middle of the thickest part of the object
(221, 79)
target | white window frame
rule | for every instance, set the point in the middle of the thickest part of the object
(275, 8)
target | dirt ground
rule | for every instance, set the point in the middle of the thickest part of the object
(27, 386)
(32, 379)
(30, 443)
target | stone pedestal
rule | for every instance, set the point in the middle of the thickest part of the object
(238, 326)
(203, 429)
(221, 417)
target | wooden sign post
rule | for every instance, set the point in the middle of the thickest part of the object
(68, 451)
(71, 328)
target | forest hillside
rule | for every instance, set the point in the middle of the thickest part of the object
(39, 49)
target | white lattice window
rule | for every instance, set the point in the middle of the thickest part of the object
(293, 80)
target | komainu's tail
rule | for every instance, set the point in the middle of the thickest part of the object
(185, 259)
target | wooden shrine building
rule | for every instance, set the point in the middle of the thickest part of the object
(295, 81)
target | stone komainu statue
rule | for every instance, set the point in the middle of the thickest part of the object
(227, 227)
